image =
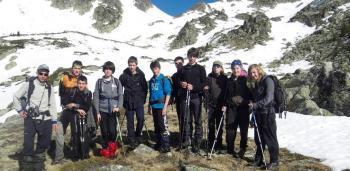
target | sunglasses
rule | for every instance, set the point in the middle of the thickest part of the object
(178, 63)
(43, 74)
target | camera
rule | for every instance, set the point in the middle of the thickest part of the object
(33, 111)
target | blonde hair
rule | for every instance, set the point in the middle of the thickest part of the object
(257, 67)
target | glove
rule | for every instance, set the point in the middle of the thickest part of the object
(237, 100)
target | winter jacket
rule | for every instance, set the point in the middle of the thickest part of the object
(108, 94)
(83, 99)
(67, 88)
(237, 87)
(195, 75)
(159, 88)
(264, 95)
(217, 90)
(38, 98)
(135, 88)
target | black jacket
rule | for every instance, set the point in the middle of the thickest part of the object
(217, 90)
(238, 87)
(195, 75)
(135, 88)
(83, 99)
(264, 94)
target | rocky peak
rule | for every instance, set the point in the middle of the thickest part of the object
(143, 5)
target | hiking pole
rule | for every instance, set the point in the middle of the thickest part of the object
(259, 138)
(216, 135)
(144, 123)
(187, 104)
(121, 124)
(207, 121)
(75, 138)
(82, 136)
(119, 129)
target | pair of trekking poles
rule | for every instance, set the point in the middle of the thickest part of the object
(82, 130)
(183, 125)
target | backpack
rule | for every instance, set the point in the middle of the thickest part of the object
(163, 85)
(26, 100)
(116, 82)
(170, 81)
(280, 96)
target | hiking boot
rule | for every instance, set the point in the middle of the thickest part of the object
(229, 151)
(164, 150)
(272, 165)
(258, 163)
(241, 153)
(157, 147)
(186, 144)
(59, 161)
(235, 154)
(195, 149)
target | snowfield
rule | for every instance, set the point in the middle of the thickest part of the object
(321, 137)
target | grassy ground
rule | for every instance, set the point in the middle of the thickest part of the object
(178, 159)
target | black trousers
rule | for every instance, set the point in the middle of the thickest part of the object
(81, 137)
(190, 115)
(132, 133)
(237, 117)
(268, 132)
(36, 126)
(108, 127)
(214, 117)
(66, 118)
(161, 128)
(178, 112)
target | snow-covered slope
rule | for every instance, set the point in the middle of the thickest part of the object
(316, 136)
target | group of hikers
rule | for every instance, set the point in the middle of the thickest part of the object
(234, 98)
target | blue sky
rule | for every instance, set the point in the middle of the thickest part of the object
(176, 7)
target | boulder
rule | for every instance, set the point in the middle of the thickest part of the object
(320, 90)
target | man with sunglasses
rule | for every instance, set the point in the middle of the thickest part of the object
(175, 94)
(36, 105)
(67, 90)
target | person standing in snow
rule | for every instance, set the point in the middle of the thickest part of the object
(108, 99)
(236, 105)
(135, 92)
(192, 81)
(160, 91)
(263, 109)
(214, 95)
(36, 104)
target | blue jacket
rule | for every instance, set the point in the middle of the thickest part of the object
(159, 87)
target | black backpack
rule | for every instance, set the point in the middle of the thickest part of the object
(280, 96)
(26, 100)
